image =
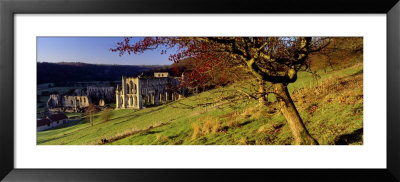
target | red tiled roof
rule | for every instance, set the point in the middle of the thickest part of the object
(57, 117)
(41, 122)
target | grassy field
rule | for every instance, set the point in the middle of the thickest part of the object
(331, 107)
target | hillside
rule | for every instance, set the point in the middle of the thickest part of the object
(331, 107)
(67, 72)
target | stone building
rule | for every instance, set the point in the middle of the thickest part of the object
(101, 93)
(76, 101)
(66, 102)
(80, 99)
(101, 102)
(138, 92)
(51, 121)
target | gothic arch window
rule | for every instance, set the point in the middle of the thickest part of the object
(133, 87)
(131, 101)
(135, 101)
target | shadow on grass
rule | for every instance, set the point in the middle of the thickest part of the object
(68, 124)
(173, 137)
(246, 123)
(51, 139)
(150, 132)
(358, 73)
(48, 140)
(135, 115)
(355, 136)
(183, 106)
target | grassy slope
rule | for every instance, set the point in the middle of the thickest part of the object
(331, 107)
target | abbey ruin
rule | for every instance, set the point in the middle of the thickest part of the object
(80, 99)
(141, 91)
(134, 92)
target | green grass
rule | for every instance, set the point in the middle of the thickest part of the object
(330, 106)
(73, 114)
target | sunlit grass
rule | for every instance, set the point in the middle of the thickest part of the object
(330, 106)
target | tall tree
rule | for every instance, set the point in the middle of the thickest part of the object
(269, 59)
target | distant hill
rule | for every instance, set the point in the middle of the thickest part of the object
(69, 72)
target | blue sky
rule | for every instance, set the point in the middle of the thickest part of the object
(95, 50)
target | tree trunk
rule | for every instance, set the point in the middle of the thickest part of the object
(289, 111)
(91, 118)
(263, 99)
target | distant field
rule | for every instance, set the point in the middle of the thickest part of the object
(331, 107)
(60, 90)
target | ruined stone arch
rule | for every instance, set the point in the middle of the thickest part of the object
(51, 103)
(134, 88)
(135, 101)
(131, 101)
(128, 89)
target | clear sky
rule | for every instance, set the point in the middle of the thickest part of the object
(95, 50)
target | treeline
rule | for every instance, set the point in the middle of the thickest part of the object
(78, 72)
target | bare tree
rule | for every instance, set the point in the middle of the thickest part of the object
(89, 113)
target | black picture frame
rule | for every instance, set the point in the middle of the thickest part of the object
(9, 8)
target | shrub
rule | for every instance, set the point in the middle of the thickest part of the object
(243, 141)
(196, 130)
(161, 138)
(234, 123)
(210, 125)
(263, 129)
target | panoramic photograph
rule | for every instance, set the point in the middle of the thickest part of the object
(199, 90)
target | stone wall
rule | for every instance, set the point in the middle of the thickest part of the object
(76, 101)
(81, 98)
(54, 101)
(139, 92)
(98, 93)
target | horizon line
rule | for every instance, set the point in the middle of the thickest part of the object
(77, 62)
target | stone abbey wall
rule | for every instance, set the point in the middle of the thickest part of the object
(98, 93)
(76, 101)
(138, 92)
(134, 92)
(73, 103)
(81, 98)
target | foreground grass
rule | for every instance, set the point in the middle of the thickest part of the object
(331, 107)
